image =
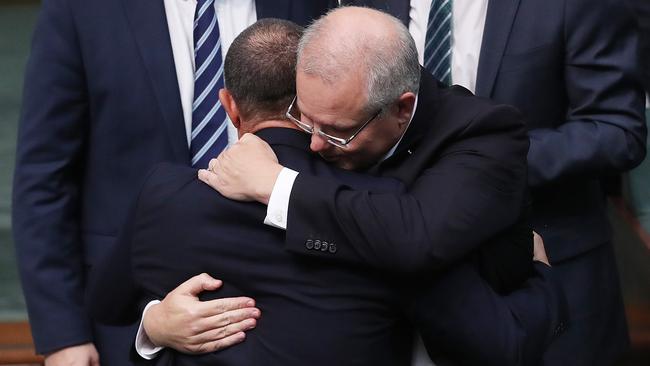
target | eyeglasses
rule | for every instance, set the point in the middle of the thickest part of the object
(336, 141)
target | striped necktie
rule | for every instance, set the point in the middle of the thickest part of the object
(209, 134)
(437, 49)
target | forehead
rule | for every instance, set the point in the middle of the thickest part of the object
(330, 103)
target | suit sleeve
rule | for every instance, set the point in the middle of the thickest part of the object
(46, 198)
(113, 296)
(605, 131)
(641, 9)
(469, 192)
(460, 316)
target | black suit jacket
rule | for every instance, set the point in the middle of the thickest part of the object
(313, 312)
(101, 106)
(463, 160)
(641, 10)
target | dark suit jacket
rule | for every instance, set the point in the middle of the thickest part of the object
(641, 10)
(101, 105)
(314, 313)
(570, 68)
(463, 160)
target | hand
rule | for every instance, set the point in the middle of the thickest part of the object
(246, 171)
(81, 355)
(183, 322)
(539, 253)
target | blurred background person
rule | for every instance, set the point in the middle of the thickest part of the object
(639, 178)
(111, 88)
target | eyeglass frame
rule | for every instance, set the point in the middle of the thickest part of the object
(336, 141)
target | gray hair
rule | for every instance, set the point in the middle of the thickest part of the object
(389, 61)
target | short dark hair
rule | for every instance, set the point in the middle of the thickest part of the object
(260, 68)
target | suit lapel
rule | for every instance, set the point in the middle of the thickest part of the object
(148, 24)
(421, 122)
(498, 25)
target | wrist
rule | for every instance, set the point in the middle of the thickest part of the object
(151, 325)
(263, 194)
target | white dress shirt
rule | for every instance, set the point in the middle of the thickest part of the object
(468, 21)
(233, 17)
(468, 17)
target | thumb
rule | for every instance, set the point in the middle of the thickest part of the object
(198, 284)
(94, 357)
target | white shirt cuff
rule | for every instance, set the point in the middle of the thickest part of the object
(278, 208)
(143, 345)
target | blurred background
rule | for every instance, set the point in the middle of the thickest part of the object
(629, 210)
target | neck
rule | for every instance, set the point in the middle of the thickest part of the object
(257, 126)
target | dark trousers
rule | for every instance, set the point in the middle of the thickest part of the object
(115, 344)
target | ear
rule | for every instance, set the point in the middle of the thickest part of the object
(230, 106)
(405, 106)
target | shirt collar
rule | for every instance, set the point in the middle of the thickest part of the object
(392, 150)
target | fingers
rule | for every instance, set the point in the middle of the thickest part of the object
(223, 330)
(539, 253)
(198, 284)
(221, 333)
(225, 305)
(94, 360)
(208, 178)
(81, 355)
(232, 317)
(211, 164)
(220, 344)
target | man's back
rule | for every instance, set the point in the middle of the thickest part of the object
(314, 313)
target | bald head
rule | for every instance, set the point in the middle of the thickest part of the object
(362, 42)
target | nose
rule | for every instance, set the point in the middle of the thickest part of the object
(318, 143)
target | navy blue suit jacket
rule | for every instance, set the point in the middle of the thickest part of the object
(641, 9)
(570, 67)
(101, 106)
(314, 313)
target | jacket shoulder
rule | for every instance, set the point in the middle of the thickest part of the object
(466, 112)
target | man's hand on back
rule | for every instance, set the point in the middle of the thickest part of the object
(183, 322)
(81, 355)
(246, 171)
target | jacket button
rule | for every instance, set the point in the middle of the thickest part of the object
(317, 244)
(309, 244)
(324, 246)
(332, 248)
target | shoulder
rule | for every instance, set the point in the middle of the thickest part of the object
(464, 112)
(163, 180)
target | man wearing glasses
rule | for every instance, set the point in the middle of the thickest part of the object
(315, 313)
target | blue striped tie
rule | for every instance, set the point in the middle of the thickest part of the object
(209, 133)
(437, 49)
